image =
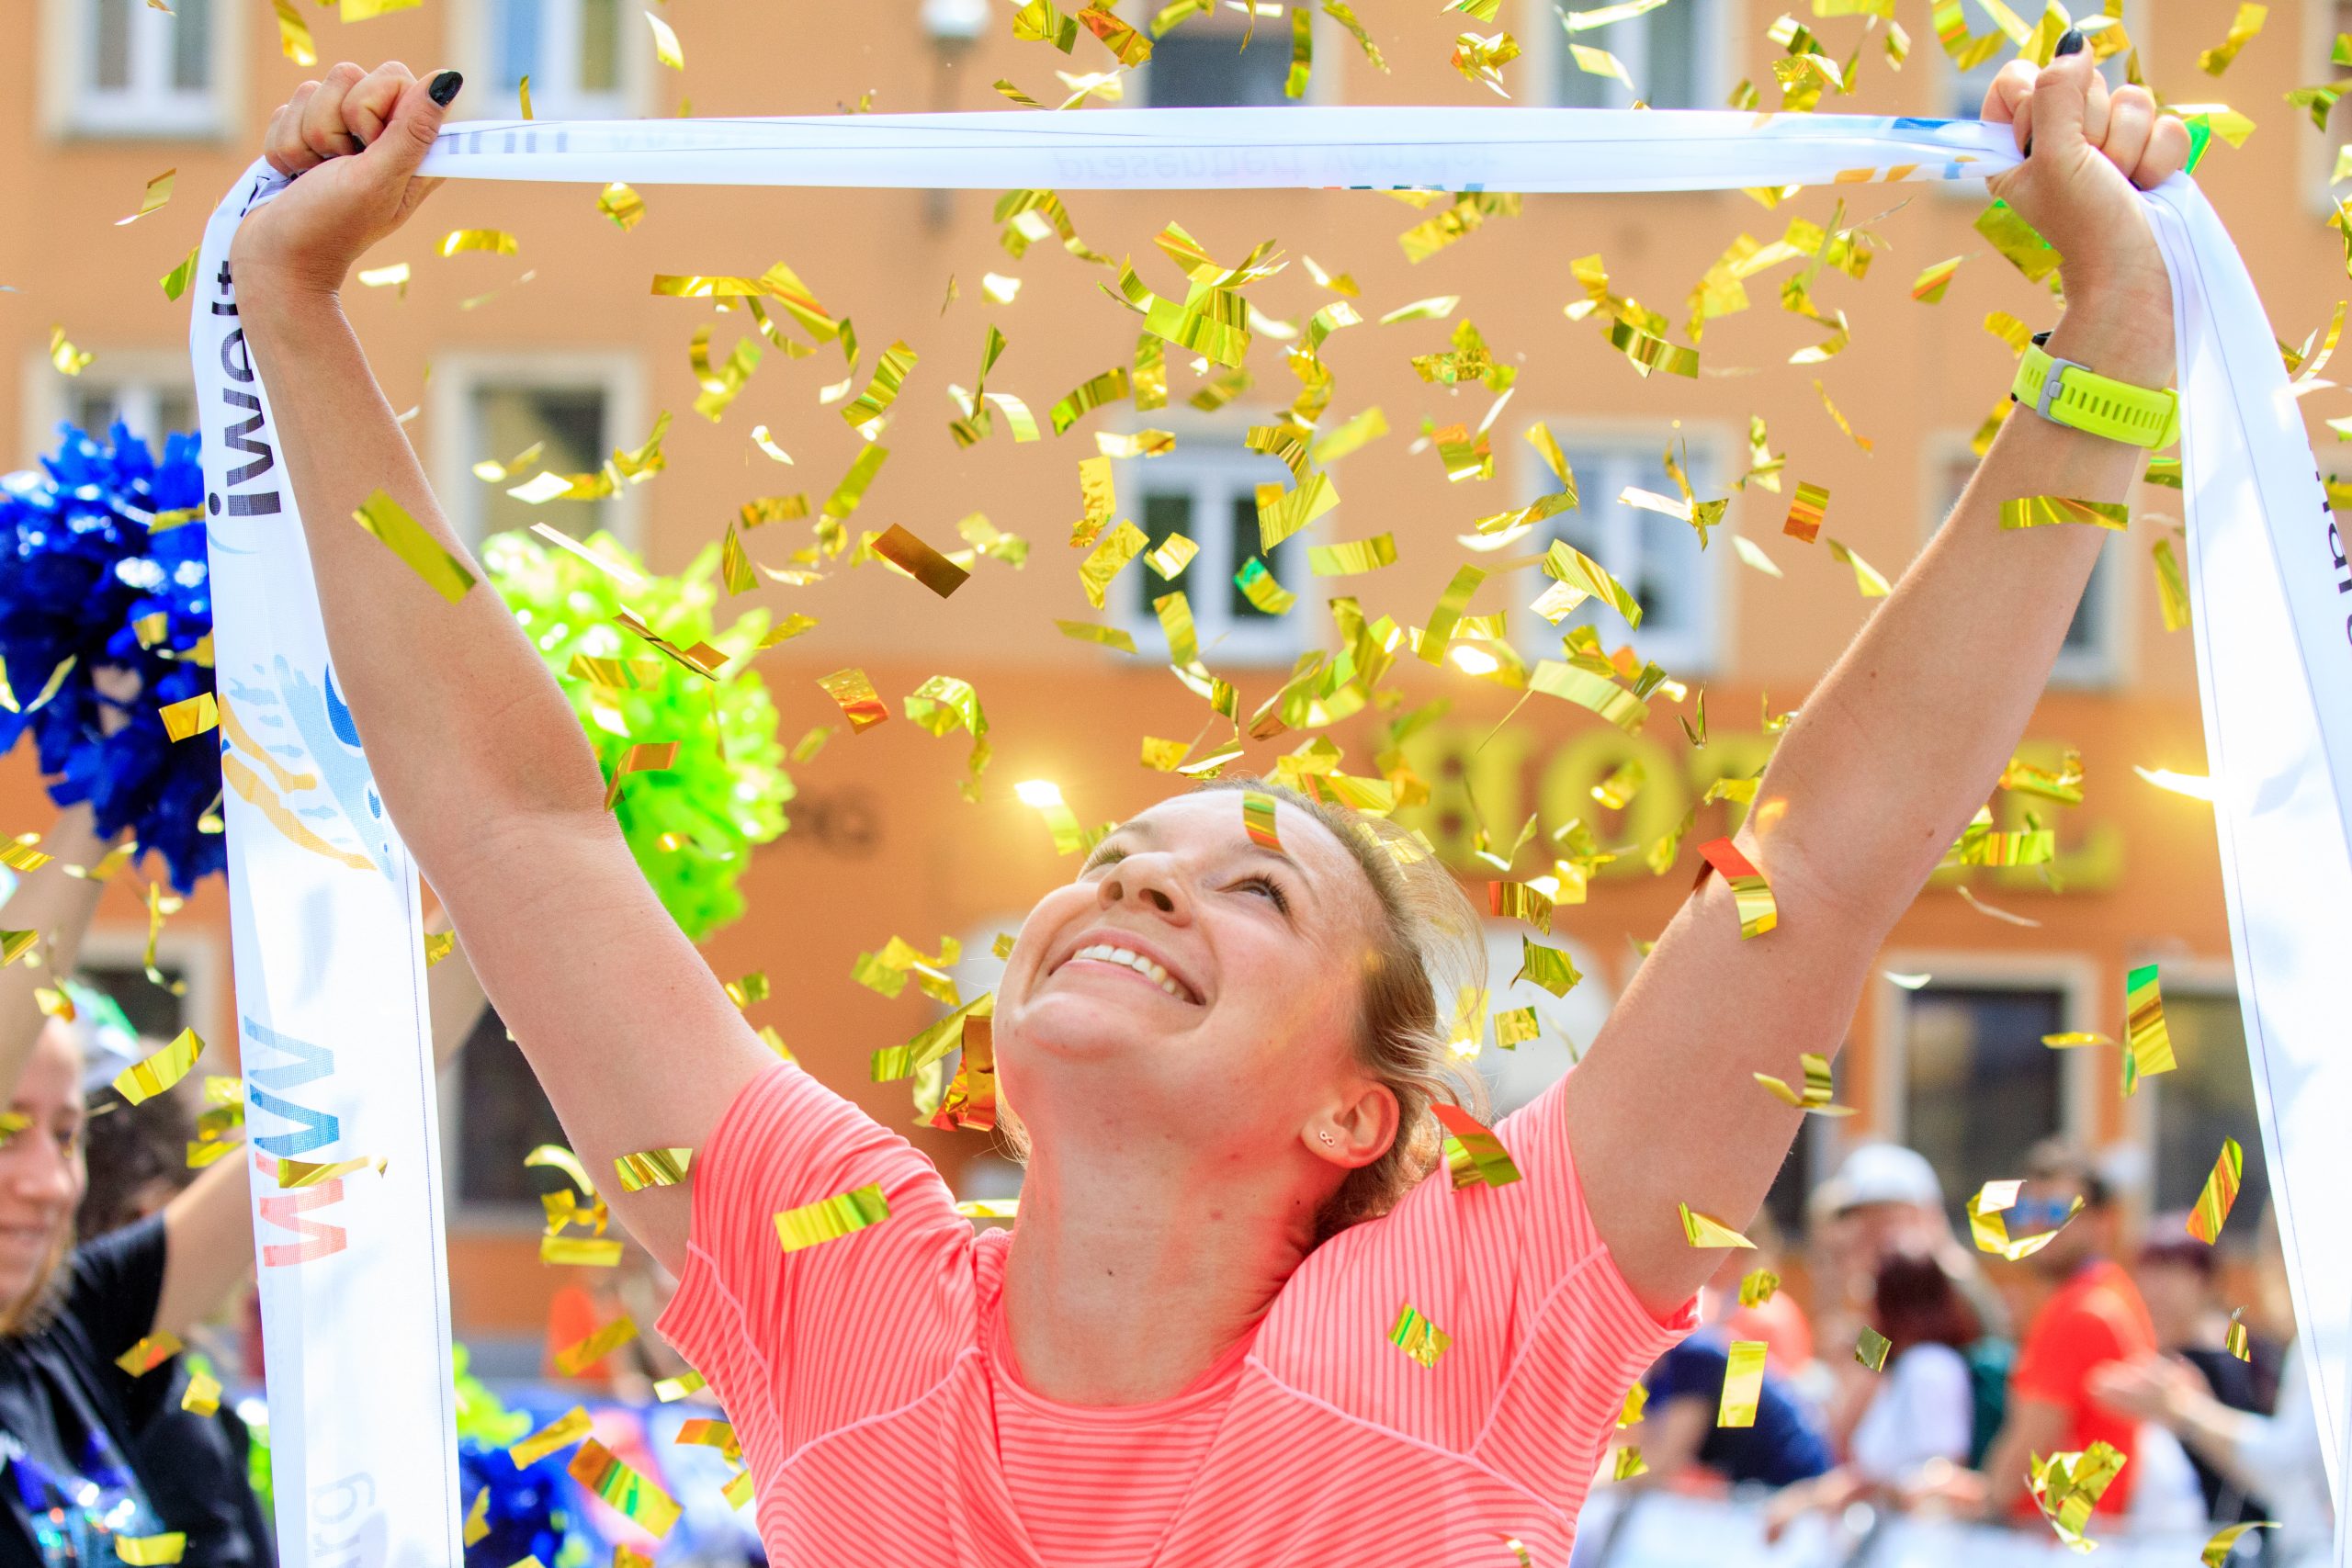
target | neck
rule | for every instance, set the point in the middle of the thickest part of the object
(1127, 1282)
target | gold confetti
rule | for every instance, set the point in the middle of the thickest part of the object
(1752, 895)
(1089, 395)
(1929, 286)
(919, 561)
(1549, 968)
(189, 717)
(2067, 1486)
(493, 242)
(159, 191)
(2224, 1541)
(665, 43)
(68, 359)
(828, 1219)
(1419, 1337)
(2236, 1339)
(2148, 1044)
(645, 1503)
(557, 1435)
(1701, 1230)
(575, 1358)
(1171, 556)
(654, 1168)
(2221, 1193)
(2041, 511)
(2019, 242)
(1258, 586)
(1629, 1464)
(1862, 442)
(1743, 1383)
(1991, 1232)
(1519, 901)
(1757, 1287)
(202, 1396)
(1475, 1155)
(1819, 1093)
(149, 1353)
(585, 1252)
(1258, 820)
(1586, 689)
(622, 205)
(294, 42)
(1866, 577)
(1117, 638)
(1044, 796)
(478, 1518)
(2243, 27)
(142, 1080)
(1805, 512)
(176, 281)
(2172, 587)
(856, 696)
(1870, 1348)
(150, 1550)
(668, 1390)
(298, 1173)
(1353, 555)
(1109, 558)
(407, 538)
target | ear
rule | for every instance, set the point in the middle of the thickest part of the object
(1356, 1129)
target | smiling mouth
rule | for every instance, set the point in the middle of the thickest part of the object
(1127, 958)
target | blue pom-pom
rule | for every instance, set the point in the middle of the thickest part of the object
(79, 569)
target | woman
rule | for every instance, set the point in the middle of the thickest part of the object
(1222, 1053)
(97, 1454)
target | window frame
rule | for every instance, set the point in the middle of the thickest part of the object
(1546, 43)
(2108, 663)
(1225, 642)
(620, 374)
(2315, 152)
(1712, 647)
(197, 954)
(1323, 84)
(2206, 978)
(44, 390)
(71, 106)
(473, 37)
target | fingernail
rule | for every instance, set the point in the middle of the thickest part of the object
(444, 87)
(2071, 43)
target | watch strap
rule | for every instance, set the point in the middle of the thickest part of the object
(2072, 394)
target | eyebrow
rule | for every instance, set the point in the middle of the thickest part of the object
(1143, 827)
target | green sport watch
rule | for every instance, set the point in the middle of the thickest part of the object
(2074, 395)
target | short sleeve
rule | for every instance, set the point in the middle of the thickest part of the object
(801, 1343)
(2055, 1363)
(114, 1283)
(1545, 1336)
(1925, 1409)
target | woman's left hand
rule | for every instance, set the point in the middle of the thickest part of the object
(2086, 150)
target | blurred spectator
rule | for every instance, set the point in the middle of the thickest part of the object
(1684, 1448)
(639, 1289)
(1779, 1320)
(2180, 1276)
(2094, 1316)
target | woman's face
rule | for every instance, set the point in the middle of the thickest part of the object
(1192, 989)
(40, 1164)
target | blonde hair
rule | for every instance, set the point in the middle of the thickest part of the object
(1430, 945)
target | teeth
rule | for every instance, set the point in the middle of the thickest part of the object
(1105, 952)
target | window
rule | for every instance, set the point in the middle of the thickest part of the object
(576, 409)
(1199, 65)
(1657, 557)
(2323, 22)
(497, 1113)
(2092, 654)
(136, 70)
(153, 410)
(1979, 1086)
(573, 51)
(1209, 494)
(1674, 54)
(2208, 1097)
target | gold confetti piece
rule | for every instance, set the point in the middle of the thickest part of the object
(1743, 1383)
(438, 946)
(294, 34)
(150, 1352)
(1419, 1337)
(1757, 1287)
(1108, 559)
(1752, 895)
(1169, 557)
(1929, 286)
(1819, 1093)
(2243, 27)
(1586, 689)
(919, 561)
(1805, 512)
(191, 716)
(583, 1252)
(1098, 499)
(654, 1168)
(1701, 1230)
(1549, 968)
(54, 1004)
(478, 1518)
(1870, 1348)
(1117, 638)
(828, 1219)
(369, 10)
(202, 1396)
(1044, 796)
(1991, 1232)
(1862, 442)
(1282, 513)
(1629, 1464)
(1353, 555)
(704, 1432)
(1448, 614)
(665, 45)
(2067, 1486)
(1089, 395)
(150, 1551)
(1258, 820)
(2171, 586)
(1519, 901)
(1039, 22)
(668, 1390)
(557, 1435)
(1866, 577)
(2018, 242)
(68, 359)
(2148, 1044)
(523, 95)
(2221, 1193)
(493, 241)
(407, 538)
(159, 191)
(643, 757)
(176, 281)
(2234, 1340)
(865, 413)
(298, 1173)
(2041, 511)
(1475, 1155)
(646, 1504)
(1629, 1414)
(576, 1358)
(620, 204)
(856, 698)
(1139, 443)
(143, 1080)
(2216, 1549)
(1258, 586)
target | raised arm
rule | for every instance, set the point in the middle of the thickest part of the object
(1901, 742)
(479, 759)
(59, 907)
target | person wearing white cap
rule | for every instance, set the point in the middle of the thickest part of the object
(1886, 1199)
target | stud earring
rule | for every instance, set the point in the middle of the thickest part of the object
(1329, 1140)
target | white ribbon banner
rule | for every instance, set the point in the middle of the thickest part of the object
(2269, 580)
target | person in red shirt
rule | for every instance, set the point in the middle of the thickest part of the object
(2094, 1316)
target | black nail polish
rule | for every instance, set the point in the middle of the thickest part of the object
(444, 87)
(2071, 43)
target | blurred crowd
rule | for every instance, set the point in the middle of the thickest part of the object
(2098, 1337)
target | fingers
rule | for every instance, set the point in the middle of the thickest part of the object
(2130, 124)
(283, 146)
(416, 118)
(2098, 110)
(368, 107)
(2008, 93)
(2060, 101)
(2167, 154)
(324, 130)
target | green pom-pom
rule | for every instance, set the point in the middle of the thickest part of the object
(692, 825)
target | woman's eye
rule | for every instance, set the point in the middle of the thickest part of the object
(1271, 889)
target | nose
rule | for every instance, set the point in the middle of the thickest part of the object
(1149, 880)
(38, 1171)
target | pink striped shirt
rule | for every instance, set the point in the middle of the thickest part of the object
(873, 1390)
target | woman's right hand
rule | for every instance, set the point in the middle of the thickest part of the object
(353, 140)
